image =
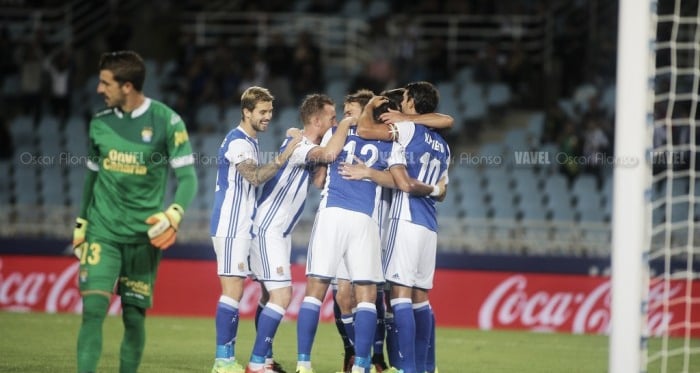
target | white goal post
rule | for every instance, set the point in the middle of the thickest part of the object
(655, 297)
(631, 212)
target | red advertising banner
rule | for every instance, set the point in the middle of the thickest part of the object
(485, 300)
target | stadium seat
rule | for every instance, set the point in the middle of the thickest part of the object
(449, 104)
(337, 90)
(465, 75)
(210, 144)
(562, 211)
(492, 149)
(22, 132)
(504, 209)
(533, 211)
(76, 178)
(535, 125)
(497, 95)
(473, 207)
(25, 184)
(556, 189)
(472, 102)
(75, 134)
(517, 139)
(450, 206)
(525, 182)
(51, 186)
(232, 118)
(590, 213)
(208, 116)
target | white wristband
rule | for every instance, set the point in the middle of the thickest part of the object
(436, 191)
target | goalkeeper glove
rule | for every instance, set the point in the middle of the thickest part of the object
(79, 236)
(164, 226)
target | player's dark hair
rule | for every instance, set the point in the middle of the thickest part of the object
(424, 95)
(383, 108)
(253, 95)
(126, 66)
(312, 105)
(394, 95)
(362, 97)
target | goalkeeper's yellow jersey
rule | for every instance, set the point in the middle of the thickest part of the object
(131, 153)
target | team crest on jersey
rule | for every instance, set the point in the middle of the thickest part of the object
(280, 270)
(146, 134)
(83, 275)
(174, 119)
(241, 266)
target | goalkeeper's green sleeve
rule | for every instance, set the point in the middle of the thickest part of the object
(90, 177)
(186, 186)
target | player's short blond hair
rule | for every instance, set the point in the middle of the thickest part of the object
(253, 95)
(312, 105)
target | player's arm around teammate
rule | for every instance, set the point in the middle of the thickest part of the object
(397, 176)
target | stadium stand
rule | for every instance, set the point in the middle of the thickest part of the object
(508, 207)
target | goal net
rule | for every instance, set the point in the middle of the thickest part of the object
(656, 248)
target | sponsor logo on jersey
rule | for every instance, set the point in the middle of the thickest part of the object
(124, 162)
(146, 134)
(181, 137)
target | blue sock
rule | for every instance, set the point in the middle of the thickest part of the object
(392, 339)
(380, 331)
(430, 360)
(349, 327)
(424, 324)
(347, 343)
(268, 322)
(365, 325)
(307, 323)
(226, 327)
(257, 314)
(405, 324)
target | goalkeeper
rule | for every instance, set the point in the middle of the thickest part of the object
(123, 226)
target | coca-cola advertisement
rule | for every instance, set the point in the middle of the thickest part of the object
(485, 300)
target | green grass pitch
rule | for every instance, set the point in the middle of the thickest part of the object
(35, 342)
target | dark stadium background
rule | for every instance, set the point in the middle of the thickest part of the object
(524, 80)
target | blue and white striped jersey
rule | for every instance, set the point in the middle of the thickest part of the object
(427, 160)
(234, 197)
(282, 199)
(358, 195)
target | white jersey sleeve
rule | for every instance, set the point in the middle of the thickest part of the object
(406, 130)
(240, 150)
(298, 158)
(397, 156)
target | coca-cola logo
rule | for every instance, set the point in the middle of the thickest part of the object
(43, 291)
(512, 304)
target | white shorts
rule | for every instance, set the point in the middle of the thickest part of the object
(342, 273)
(351, 237)
(410, 255)
(232, 256)
(269, 259)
